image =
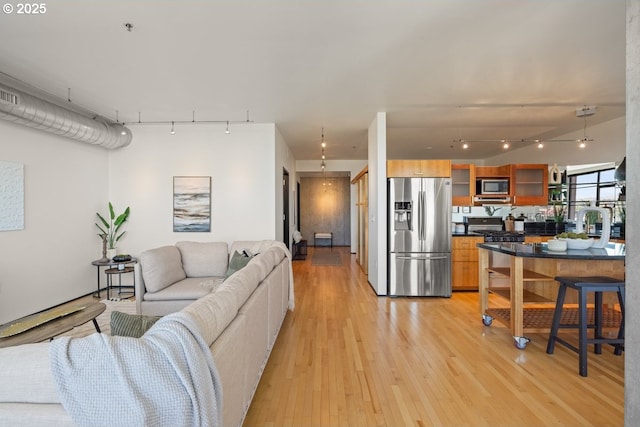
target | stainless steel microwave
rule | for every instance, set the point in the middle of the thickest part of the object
(494, 186)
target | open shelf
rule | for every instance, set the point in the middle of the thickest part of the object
(539, 319)
(528, 275)
(527, 296)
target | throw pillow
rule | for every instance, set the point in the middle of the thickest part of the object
(237, 262)
(131, 325)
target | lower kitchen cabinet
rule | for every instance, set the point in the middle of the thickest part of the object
(464, 265)
(537, 239)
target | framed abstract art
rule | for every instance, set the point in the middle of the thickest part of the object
(191, 203)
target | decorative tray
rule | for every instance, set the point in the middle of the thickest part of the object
(37, 319)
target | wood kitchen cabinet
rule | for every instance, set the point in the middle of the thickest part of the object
(463, 184)
(493, 171)
(418, 168)
(362, 205)
(536, 239)
(464, 263)
(529, 184)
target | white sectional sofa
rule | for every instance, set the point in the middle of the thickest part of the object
(169, 278)
(240, 321)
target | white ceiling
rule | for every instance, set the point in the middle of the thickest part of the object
(442, 69)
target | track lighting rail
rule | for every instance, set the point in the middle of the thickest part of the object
(173, 123)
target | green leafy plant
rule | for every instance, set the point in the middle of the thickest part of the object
(109, 229)
(558, 213)
(490, 210)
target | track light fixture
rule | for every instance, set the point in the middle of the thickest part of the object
(192, 121)
(583, 113)
(323, 146)
(323, 165)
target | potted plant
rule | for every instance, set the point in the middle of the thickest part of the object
(558, 217)
(109, 229)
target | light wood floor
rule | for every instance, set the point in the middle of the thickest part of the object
(346, 357)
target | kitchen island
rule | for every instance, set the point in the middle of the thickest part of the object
(531, 282)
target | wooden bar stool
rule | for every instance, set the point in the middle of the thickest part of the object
(583, 285)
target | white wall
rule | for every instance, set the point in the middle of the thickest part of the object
(377, 137)
(242, 169)
(49, 262)
(353, 167)
(284, 160)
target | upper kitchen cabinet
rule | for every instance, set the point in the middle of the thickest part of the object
(463, 181)
(529, 184)
(418, 168)
(493, 171)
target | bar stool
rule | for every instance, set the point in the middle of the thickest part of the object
(583, 285)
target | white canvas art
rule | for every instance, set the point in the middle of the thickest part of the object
(11, 196)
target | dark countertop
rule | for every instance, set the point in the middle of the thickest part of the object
(472, 234)
(613, 251)
(548, 229)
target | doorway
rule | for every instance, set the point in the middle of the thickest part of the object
(325, 206)
(285, 207)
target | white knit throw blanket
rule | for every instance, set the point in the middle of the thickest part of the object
(165, 378)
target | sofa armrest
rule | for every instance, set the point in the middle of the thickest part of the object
(26, 374)
(140, 289)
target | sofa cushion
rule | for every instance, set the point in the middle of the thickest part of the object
(237, 262)
(20, 384)
(186, 289)
(214, 312)
(243, 283)
(204, 259)
(212, 283)
(161, 267)
(130, 325)
(268, 260)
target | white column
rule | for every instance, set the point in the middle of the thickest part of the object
(378, 204)
(632, 273)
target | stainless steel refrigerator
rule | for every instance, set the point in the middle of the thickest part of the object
(419, 237)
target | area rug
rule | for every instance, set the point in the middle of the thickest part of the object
(326, 258)
(542, 318)
(104, 320)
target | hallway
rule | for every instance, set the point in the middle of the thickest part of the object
(346, 357)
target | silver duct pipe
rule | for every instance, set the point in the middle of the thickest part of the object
(28, 110)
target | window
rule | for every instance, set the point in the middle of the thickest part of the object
(598, 188)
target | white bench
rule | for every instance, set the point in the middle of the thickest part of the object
(326, 236)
